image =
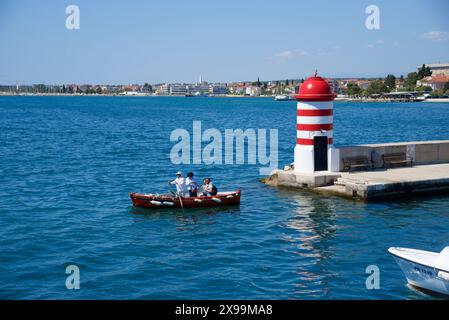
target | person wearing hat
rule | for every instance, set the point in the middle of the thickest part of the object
(191, 185)
(180, 184)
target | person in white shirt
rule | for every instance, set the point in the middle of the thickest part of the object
(180, 184)
(191, 185)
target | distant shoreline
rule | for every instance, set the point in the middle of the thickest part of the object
(386, 101)
(120, 95)
(3, 94)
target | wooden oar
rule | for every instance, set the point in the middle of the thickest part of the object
(179, 196)
(182, 206)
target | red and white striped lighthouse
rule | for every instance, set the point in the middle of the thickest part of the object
(314, 124)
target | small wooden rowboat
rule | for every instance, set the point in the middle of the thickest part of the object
(155, 201)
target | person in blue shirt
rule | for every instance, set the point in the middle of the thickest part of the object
(191, 185)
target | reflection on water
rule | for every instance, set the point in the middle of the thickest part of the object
(184, 217)
(314, 227)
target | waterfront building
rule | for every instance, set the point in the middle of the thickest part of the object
(438, 68)
(112, 89)
(72, 88)
(237, 88)
(202, 88)
(131, 87)
(362, 83)
(85, 87)
(163, 89)
(198, 88)
(436, 82)
(271, 88)
(178, 89)
(252, 91)
(333, 84)
(343, 84)
(218, 88)
(399, 83)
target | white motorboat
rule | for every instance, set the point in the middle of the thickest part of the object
(284, 97)
(424, 269)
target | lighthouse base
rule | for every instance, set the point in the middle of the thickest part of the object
(293, 179)
(305, 159)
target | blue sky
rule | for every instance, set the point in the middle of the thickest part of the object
(175, 41)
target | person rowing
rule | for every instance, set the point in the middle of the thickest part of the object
(180, 184)
(191, 185)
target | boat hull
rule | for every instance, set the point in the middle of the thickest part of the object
(151, 201)
(422, 275)
(284, 98)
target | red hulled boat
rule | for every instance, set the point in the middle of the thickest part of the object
(155, 201)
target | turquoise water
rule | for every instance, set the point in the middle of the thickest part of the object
(67, 165)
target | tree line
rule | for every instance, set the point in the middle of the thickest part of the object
(388, 84)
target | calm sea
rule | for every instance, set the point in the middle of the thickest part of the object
(67, 165)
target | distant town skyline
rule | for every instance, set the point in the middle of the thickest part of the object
(176, 42)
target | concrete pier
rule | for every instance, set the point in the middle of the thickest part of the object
(371, 185)
(428, 175)
(290, 178)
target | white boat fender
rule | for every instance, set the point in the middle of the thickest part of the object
(166, 203)
(230, 196)
(198, 200)
(156, 203)
(216, 200)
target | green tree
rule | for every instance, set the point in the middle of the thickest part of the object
(89, 90)
(424, 88)
(40, 88)
(410, 81)
(352, 89)
(424, 72)
(446, 86)
(376, 87)
(257, 83)
(390, 81)
(147, 87)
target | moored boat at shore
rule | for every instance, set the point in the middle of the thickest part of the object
(424, 269)
(156, 201)
(284, 97)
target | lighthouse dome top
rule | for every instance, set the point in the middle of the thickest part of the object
(315, 88)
